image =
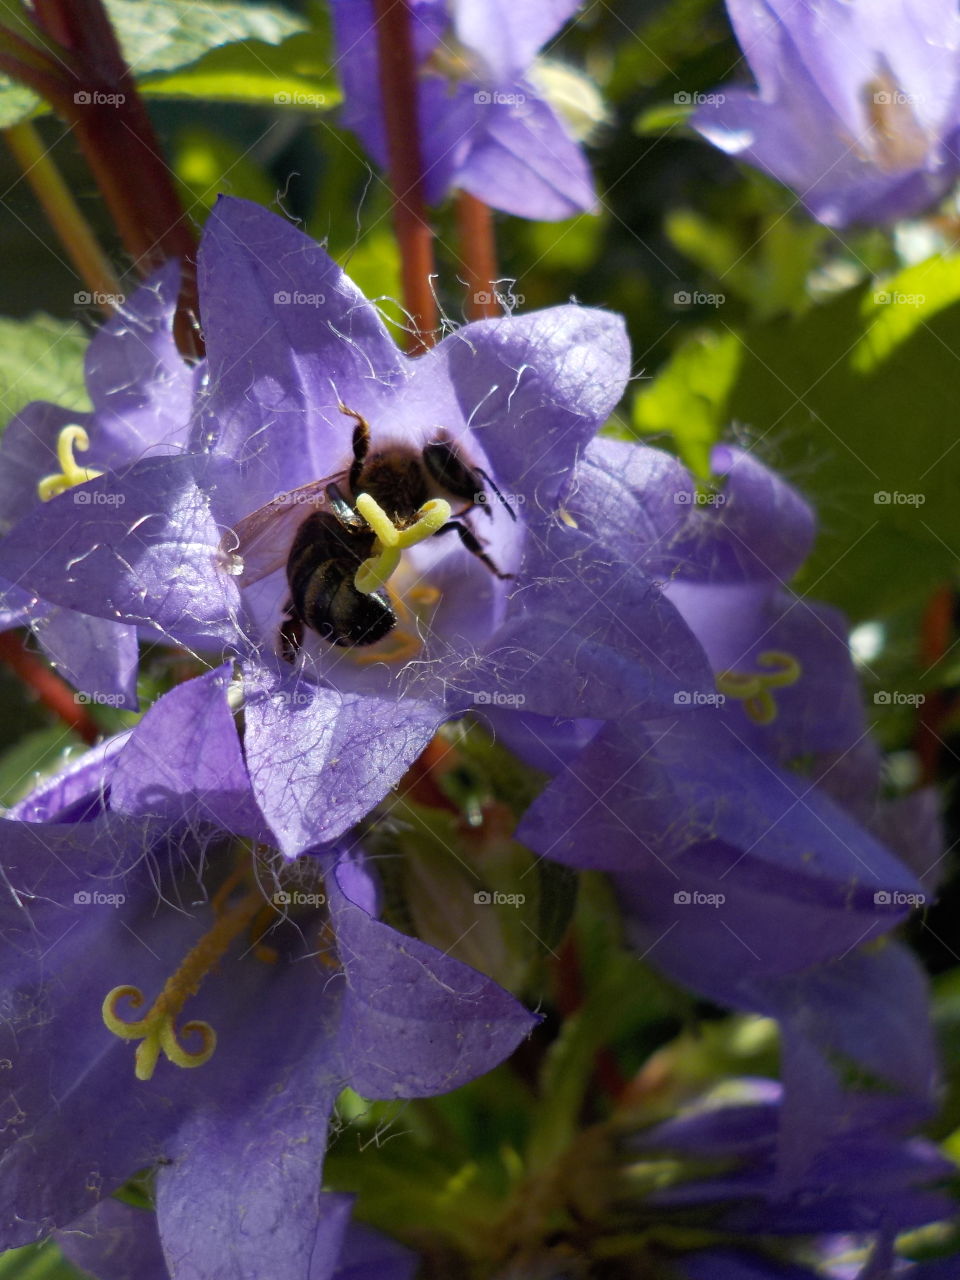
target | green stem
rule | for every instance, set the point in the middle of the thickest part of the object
(63, 212)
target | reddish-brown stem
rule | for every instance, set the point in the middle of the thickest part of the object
(398, 91)
(478, 256)
(114, 131)
(935, 640)
(55, 694)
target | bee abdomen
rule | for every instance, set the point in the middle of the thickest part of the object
(341, 614)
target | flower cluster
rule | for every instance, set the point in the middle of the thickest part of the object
(354, 548)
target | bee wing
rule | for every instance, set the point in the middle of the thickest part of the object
(261, 541)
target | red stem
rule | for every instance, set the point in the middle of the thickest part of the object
(935, 640)
(478, 256)
(398, 91)
(114, 131)
(55, 694)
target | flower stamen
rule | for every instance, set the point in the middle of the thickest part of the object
(754, 689)
(70, 473)
(376, 571)
(157, 1030)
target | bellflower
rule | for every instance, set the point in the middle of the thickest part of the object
(279, 987)
(116, 1240)
(141, 392)
(486, 124)
(296, 357)
(856, 106)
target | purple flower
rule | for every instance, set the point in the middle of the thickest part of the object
(486, 126)
(856, 108)
(282, 969)
(115, 1241)
(579, 630)
(142, 395)
(871, 1182)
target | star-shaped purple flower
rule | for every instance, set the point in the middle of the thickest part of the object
(485, 126)
(201, 546)
(856, 107)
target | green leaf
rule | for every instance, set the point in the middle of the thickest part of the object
(35, 756)
(688, 398)
(37, 1262)
(41, 359)
(855, 401)
(294, 75)
(166, 34)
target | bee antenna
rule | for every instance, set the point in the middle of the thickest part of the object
(510, 511)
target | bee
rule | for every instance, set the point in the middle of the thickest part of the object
(324, 549)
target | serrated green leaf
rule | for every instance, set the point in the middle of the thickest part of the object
(41, 359)
(294, 75)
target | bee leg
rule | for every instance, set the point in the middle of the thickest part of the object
(470, 541)
(510, 511)
(361, 445)
(342, 509)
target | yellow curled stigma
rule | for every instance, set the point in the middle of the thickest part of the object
(376, 571)
(70, 473)
(754, 690)
(157, 1030)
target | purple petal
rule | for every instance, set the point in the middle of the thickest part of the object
(141, 547)
(278, 366)
(525, 162)
(115, 1241)
(415, 1022)
(508, 34)
(536, 389)
(183, 761)
(319, 760)
(588, 636)
(98, 657)
(141, 388)
(80, 788)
